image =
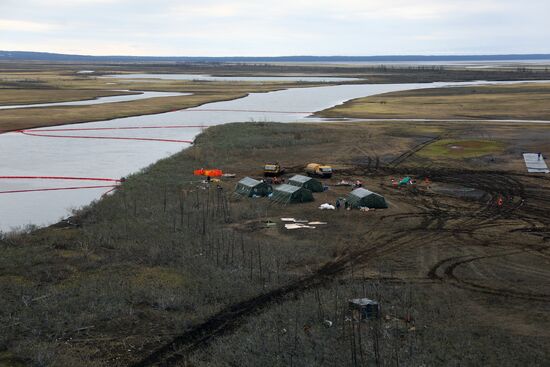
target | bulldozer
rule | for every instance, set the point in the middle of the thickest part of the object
(273, 170)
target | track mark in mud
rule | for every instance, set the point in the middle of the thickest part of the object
(234, 315)
(230, 317)
(436, 221)
(400, 159)
(444, 270)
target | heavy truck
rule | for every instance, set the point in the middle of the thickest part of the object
(273, 170)
(319, 170)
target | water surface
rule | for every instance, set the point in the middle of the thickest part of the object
(52, 156)
(290, 78)
(101, 100)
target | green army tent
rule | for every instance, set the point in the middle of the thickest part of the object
(306, 182)
(291, 194)
(250, 187)
(364, 198)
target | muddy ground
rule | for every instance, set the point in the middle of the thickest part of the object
(476, 228)
(166, 272)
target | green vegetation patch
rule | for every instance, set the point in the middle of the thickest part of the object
(15, 280)
(447, 148)
(9, 360)
(518, 101)
(158, 277)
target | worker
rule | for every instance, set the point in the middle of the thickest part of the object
(500, 201)
(337, 204)
(539, 156)
(346, 205)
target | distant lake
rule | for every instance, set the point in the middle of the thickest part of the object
(290, 78)
(464, 63)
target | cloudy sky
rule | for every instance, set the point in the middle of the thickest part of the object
(274, 28)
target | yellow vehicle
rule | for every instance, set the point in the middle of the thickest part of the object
(319, 170)
(273, 170)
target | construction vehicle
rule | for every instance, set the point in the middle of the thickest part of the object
(319, 170)
(273, 170)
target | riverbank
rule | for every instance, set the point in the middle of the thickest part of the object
(29, 118)
(529, 101)
(166, 265)
(131, 143)
(33, 82)
(12, 97)
(200, 93)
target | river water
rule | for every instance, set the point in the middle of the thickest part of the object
(204, 77)
(102, 100)
(61, 155)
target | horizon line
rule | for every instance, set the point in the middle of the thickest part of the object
(341, 56)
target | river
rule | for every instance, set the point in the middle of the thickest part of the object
(205, 77)
(68, 152)
(101, 100)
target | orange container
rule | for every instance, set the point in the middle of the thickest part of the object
(208, 172)
(213, 172)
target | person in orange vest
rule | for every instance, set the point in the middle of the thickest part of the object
(500, 201)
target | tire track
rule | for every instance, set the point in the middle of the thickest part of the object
(444, 270)
(437, 221)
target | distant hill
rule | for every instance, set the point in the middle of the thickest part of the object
(46, 56)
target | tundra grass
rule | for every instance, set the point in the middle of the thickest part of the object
(454, 149)
(521, 101)
(55, 87)
(30, 96)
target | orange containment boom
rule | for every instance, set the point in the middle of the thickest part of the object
(208, 172)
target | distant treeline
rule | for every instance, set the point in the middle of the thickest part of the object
(45, 56)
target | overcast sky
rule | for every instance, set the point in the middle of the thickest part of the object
(275, 28)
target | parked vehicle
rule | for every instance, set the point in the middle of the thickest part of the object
(273, 170)
(319, 170)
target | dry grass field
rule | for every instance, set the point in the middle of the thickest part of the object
(10, 97)
(516, 101)
(23, 83)
(51, 86)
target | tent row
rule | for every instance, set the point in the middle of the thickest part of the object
(251, 187)
(300, 190)
(286, 193)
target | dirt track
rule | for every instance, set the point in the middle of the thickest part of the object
(479, 230)
(445, 242)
